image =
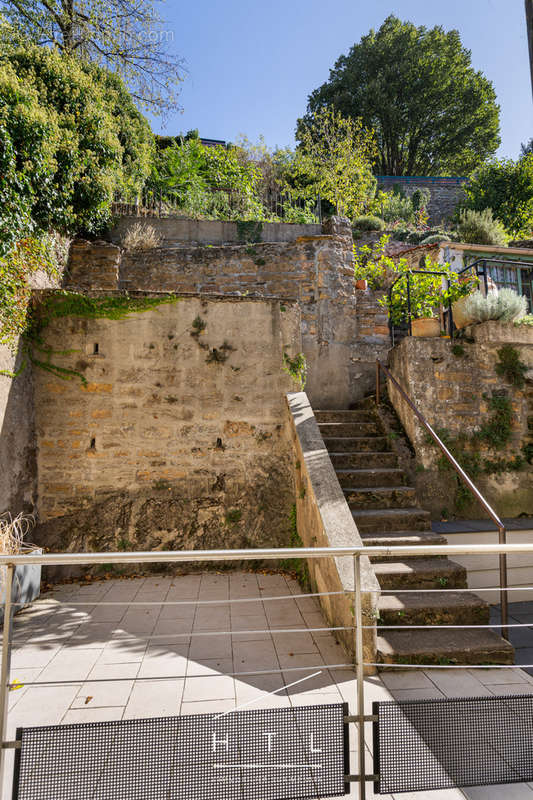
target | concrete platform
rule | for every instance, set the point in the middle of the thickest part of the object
(128, 661)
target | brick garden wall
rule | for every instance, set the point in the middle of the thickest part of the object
(446, 193)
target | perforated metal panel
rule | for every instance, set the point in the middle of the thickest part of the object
(274, 754)
(420, 745)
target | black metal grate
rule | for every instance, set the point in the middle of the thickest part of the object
(271, 754)
(422, 745)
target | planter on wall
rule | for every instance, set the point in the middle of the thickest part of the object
(26, 583)
(361, 284)
(460, 317)
(425, 326)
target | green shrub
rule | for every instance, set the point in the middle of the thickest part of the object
(368, 223)
(480, 227)
(504, 306)
(435, 238)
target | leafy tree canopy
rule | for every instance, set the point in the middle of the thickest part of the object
(432, 112)
(127, 37)
(506, 187)
(69, 137)
(336, 156)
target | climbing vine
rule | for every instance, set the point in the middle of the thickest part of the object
(466, 449)
(510, 367)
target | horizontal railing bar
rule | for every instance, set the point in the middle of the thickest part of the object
(280, 671)
(449, 666)
(222, 601)
(444, 627)
(476, 589)
(272, 631)
(160, 557)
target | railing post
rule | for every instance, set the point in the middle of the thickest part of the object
(5, 667)
(360, 673)
(378, 384)
(504, 608)
(410, 327)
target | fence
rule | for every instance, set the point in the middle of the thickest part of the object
(222, 204)
(388, 733)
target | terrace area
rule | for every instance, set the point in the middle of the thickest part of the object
(159, 646)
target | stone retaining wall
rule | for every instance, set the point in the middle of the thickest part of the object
(178, 439)
(453, 392)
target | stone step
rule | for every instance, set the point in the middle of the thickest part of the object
(433, 608)
(392, 519)
(344, 416)
(364, 460)
(420, 573)
(357, 444)
(444, 647)
(343, 429)
(381, 497)
(370, 477)
(401, 538)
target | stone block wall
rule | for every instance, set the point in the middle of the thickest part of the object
(341, 328)
(453, 392)
(178, 438)
(446, 193)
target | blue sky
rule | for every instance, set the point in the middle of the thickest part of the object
(250, 66)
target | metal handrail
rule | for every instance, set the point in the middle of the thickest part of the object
(502, 531)
(482, 271)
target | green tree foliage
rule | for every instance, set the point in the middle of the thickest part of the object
(506, 187)
(70, 138)
(432, 112)
(336, 156)
(203, 180)
(127, 37)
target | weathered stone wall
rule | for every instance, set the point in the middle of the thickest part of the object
(178, 439)
(446, 193)
(211, 231)
(341, 329)
(453, 392)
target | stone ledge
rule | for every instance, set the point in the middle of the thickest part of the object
(324, 520)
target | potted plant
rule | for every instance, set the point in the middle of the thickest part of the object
(27, 577)
(425, 297)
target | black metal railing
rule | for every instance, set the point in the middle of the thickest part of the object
(502, 531)
(409, 314)
(481, 269)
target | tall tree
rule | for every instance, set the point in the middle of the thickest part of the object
(431, 111)
(336, 156)
(125, 36)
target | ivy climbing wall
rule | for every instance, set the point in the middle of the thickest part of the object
(166, 428)
(476, 393)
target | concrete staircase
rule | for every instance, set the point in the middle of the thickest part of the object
(386, 512)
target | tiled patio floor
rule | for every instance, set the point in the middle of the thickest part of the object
(108, 652)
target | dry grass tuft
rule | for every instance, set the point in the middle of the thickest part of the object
(142, 236)
(13, 531)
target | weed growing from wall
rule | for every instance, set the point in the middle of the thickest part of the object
(296, 367)
(510, 367)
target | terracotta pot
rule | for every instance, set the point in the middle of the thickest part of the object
(426, 326)
(460, 318)
(361, 284)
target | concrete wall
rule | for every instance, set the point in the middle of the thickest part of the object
(18, 469)
(342, 330)
(453, 393)
(211, 231)
(165, 447)
(446, 193)
(325, 520)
